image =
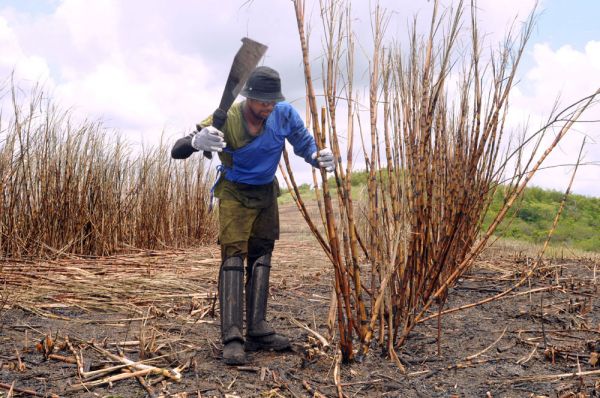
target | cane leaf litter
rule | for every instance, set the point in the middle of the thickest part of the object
(145, 324)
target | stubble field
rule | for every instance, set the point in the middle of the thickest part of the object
(65, 325)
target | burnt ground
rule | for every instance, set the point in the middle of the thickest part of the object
(160, 306)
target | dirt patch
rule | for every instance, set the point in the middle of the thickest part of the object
(161, 306)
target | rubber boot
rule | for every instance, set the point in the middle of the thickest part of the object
(231, 288)
(260, 335)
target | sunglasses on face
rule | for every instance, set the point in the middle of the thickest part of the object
(265, 104)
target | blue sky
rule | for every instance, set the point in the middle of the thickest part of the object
(568, 22)
(154, 68)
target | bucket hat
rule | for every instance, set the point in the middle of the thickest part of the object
(263, 84)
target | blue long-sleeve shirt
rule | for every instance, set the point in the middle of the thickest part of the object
(254, 160)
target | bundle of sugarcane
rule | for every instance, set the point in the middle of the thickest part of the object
(433, 162)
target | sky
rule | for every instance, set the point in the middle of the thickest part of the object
(151, 69)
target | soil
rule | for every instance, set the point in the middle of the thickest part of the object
(161, 306)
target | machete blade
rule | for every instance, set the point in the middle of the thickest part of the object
(244, 63)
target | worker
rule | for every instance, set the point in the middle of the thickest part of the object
(250, 145)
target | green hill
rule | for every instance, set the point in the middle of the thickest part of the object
(531, 219)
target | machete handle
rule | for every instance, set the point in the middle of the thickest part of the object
(218, 121)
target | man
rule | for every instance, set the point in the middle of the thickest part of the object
(250, 146)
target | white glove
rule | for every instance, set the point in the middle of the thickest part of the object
(325, 159)
(209, 139)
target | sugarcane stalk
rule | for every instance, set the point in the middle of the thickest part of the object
(344, 324)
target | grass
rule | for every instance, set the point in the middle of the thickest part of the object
(530, 221)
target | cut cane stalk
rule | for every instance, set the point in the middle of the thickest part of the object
(324, 343)
(173, 374)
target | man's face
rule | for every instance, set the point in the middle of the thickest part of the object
(260, 109)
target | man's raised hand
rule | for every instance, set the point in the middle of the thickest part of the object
(209, 139)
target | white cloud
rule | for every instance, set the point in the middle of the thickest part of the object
(565, 75)
(93, 26)
(566, 70)
(26, 67)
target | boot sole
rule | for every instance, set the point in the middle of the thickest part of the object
(250, 346)
(234, 361)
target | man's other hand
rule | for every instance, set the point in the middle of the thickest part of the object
(209, 139)
(325, 159)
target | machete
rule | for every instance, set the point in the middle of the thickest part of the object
(244, 63)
